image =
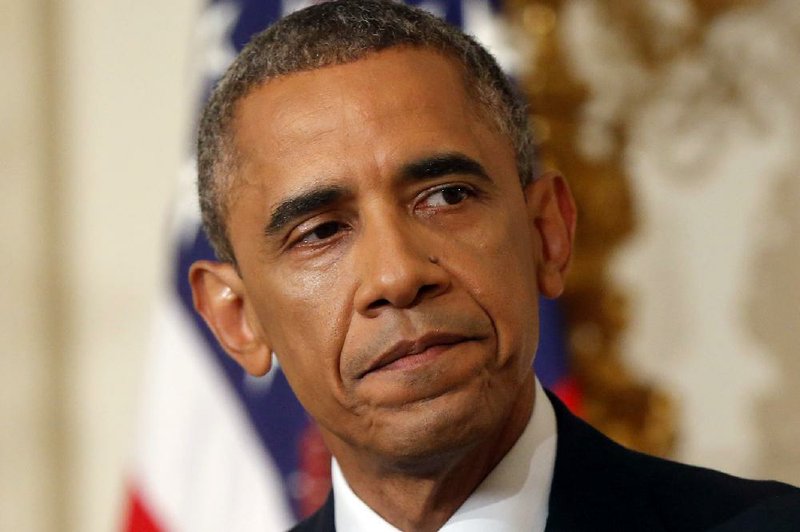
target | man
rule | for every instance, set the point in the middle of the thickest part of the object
(366, 178)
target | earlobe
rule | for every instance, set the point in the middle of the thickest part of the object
(552, 215)
(219, 297)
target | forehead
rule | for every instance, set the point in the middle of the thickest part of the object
(356, 119)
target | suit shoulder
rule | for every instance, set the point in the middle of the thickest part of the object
(775, 514)
(598, 481)
(673, 477)
(690, 497)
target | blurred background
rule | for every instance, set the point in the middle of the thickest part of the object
(676, 121)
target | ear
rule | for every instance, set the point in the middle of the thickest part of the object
(219, 296)
(552, 215)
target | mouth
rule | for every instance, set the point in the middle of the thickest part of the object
(407, 354)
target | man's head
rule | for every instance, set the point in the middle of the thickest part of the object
(330, 34)
(387, 249)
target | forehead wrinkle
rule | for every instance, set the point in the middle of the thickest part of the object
(453, 75)
(278, 110)
(250, 155)
(427, 116)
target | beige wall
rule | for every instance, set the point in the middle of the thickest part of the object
(123, 106)
(94, 106)
(28, 447)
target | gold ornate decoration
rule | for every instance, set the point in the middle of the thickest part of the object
(633, 413)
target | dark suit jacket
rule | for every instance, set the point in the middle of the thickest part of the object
(599, 485)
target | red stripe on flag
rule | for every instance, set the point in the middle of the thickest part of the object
(138, 517)
(315, 466)
(567, 390)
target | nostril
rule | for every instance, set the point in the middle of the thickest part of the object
(378, 304)
(425, 290)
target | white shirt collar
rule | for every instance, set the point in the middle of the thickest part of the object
(513, 497)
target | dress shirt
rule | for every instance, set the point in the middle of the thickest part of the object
(512, 498)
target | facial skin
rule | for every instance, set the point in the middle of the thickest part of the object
(391, 259)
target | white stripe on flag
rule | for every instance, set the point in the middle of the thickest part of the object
(199, 462)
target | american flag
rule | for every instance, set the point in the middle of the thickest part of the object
(217, 449)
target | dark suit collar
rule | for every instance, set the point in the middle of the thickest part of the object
(593, 486)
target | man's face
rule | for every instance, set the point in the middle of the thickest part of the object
(387, 252)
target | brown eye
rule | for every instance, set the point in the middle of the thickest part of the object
(321, 232)
(450, 195)
(454, 195)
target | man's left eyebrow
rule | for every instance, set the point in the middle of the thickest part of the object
(441, 165)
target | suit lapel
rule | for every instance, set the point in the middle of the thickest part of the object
(594, 487)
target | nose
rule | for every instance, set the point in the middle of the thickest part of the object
(396, 268)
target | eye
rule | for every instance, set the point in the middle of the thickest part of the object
(447, 195)
(321, 232)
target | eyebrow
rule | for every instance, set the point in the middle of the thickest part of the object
(442, 165)
(302, 205)
(319, 198)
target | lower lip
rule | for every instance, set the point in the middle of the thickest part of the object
(416, 360)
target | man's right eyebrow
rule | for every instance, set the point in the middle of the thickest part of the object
(302, 205)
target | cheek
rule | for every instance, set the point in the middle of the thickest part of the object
(497, 269)
(304, 317)
(305, 305)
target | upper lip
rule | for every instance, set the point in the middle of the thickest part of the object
(405, 348)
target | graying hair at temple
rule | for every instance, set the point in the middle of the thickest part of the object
(334, 33)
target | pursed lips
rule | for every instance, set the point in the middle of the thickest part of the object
(406, 348)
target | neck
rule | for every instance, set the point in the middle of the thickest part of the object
(423, 496)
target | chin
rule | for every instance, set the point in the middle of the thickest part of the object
(421, 438)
